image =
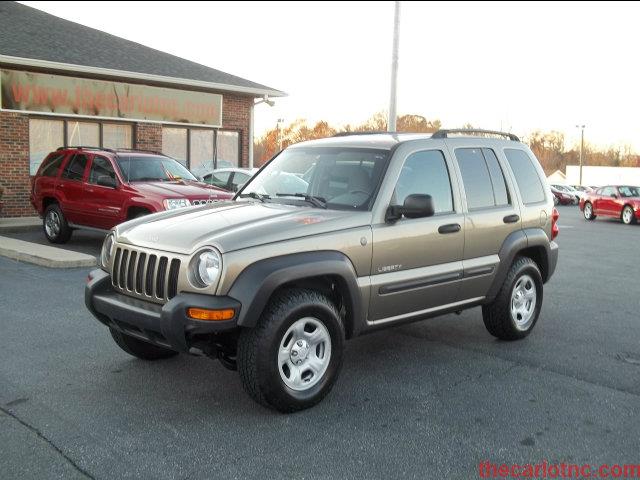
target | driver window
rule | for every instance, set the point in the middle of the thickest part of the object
(100, 167)
(426, 173)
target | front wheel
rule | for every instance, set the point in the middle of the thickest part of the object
(588, 211)
(628, 216)
(292, 358)
(515, 310)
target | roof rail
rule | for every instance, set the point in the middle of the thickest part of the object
(133, 150)
(474, 131)
(368, 132)
(83, 147)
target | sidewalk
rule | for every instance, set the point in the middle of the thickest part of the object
(19, 224)
(43, 255)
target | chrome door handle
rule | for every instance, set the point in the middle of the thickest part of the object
(450, 228)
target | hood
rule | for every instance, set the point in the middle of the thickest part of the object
(230, 226)
(179, 189)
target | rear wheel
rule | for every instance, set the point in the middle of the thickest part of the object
(292, 358)
(628, 215)
(515, 310)
(140, 348)
(588, 212)
(55, 225)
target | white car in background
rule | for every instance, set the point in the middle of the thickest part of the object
(231, 179)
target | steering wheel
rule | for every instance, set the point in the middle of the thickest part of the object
(359, 191)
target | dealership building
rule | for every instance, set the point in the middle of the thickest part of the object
(64, 84)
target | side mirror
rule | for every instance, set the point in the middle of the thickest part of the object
(107, 181)
(415, 206)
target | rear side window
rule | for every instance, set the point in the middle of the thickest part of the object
(426, 173)
(75, 167)
(101, 167)
(51, 166)
(526, 175)
(482, 177)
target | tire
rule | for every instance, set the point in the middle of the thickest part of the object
(140, 348)
(55, 225)
(296, 323)
(501, 317)
(628, 216)
(588, 211)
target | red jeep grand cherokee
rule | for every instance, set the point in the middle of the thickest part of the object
(82, 187)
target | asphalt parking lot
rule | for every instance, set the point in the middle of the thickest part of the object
(428, 400)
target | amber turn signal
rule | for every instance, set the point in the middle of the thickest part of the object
(206, 314)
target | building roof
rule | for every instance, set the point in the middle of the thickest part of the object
(31, 37)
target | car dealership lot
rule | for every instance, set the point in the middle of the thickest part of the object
(427, 400)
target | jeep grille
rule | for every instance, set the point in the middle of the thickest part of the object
(145, 274)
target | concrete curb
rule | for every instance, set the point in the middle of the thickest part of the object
(19, 224)
(43, 255)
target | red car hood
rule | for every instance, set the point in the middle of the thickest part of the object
(180, 189)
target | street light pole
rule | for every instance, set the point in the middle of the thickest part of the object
(391, 122)
(581, 127)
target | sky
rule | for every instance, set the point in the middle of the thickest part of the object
(516, 67)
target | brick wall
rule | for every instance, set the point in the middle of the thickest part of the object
(148, 136)
(14, 165)
(235, 116)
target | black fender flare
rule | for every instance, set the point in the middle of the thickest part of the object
(515, 243)
(256, 283)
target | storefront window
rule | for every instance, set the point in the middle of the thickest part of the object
(84, 134)
(174, 143)
(228, 149)
(201, 152)
(44, 137)
(117, 135)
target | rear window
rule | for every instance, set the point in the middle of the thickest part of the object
(51, 165)
(484, 183)
(526, 175)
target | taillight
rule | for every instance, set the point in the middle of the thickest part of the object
(555, 230)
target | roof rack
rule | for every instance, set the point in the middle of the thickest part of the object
(134, 150)
(83, 147)
(474, 131)
(368, 132)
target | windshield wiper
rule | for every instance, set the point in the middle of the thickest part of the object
(315, 201)
(255, 195)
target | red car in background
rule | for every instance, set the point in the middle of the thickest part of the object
(561, 198)
(620, 201)
(83, 187)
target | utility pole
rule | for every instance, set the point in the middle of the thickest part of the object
(280, 120)
(581, 127)
(391, 122)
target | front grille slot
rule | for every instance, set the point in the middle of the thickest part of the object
(161, 277)
(172, 289)
(142, 258)
(145, 275)
(116, 267)
(151, 270)
(123, 269)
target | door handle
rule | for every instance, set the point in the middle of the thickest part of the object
(450, 228)
(511, 218)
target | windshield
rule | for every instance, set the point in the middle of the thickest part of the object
(149, 169)
(629, 191)
(340, 178)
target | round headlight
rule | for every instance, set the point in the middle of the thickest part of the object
(107, 250)
(206, 267)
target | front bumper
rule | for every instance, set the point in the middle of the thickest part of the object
(163, 325)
